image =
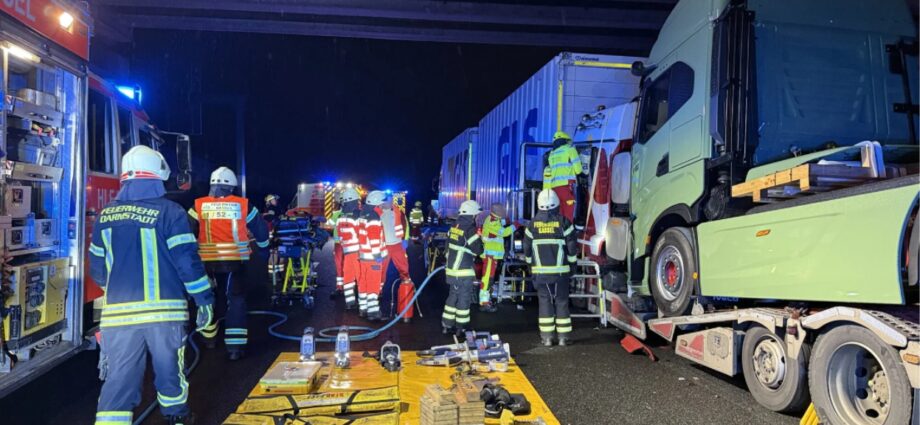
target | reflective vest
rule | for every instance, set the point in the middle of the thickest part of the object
(144, 255)
(463, 246)
(550, 244)
(346, 227)
(494, 233)
(334, 219)
(416, 217)
(222, 231)
(370, 236)
(392, 221)
(564, 165)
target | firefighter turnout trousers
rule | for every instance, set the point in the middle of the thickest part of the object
(370, 284)
(351, 270)
(231, 286)
(126, 349)
(457, 307)
(553, 296)
(338, 256)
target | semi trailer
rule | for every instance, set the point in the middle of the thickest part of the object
(762, 214)
(504, 152)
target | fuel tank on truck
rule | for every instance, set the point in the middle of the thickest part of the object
(556, 97)
(456, 179)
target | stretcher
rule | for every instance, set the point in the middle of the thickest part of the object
(291, 256)
(367, 394)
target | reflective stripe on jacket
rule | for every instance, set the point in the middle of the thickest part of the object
(346, 226)
(224, 228)
(550, 245)
(494, 233)
(564, 165)
(370, 236)
(144, 254)
(463, 246)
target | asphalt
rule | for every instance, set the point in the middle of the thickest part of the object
(592, 382)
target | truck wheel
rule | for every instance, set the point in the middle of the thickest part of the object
(776, 381)
(673, 270)
(857, 378)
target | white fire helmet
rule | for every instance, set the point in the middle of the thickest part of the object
(375, 198)
(470, 207)
(349, 195)
(142, 162)
(547, 200)
(223, 175)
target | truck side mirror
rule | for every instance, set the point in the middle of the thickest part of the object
(184, 160)
(639, 69)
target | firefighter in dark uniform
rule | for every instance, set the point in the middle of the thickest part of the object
(550, 247)
(463, 246)
(145, 256)
(225, 223)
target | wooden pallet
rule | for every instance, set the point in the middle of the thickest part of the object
(802, 179)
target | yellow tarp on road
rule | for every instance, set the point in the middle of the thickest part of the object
(411, 380)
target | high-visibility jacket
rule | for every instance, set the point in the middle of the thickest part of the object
(334, 219)
(547, 177)
(494, 233)
(346, 229)
(224, 226)
(463, 246)
(564, 164)
(145, 256)
(416, 217)
(394, 231)
(550, 244)
(370, 236)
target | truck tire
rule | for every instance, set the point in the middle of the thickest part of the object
(673, 271)
(854, 377)
(776, 381)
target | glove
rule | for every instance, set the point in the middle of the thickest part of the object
(205, 317)
(405, 244)
(379, 260)
(484, 296)
(103, 365)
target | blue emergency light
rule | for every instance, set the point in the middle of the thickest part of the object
(131, 92)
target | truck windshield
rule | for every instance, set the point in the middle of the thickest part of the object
(825, 76)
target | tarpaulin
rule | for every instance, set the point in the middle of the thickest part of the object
(367, 386)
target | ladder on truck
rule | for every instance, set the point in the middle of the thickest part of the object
(586, 270)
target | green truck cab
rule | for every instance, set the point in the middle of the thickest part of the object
(736, 90)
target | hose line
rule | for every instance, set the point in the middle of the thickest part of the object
(326, 335)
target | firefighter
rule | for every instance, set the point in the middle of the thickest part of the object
(346, 230)
(224, 223)
(337, 253)
(550, 248)
(273, 211)
(144, 255)
(464, 245)
(565, 166)
(433, 217)
(373, 252)
(392, 220)
(416, 220)
(494, 232)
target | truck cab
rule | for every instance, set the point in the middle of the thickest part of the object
(734, 90)
(116, 122)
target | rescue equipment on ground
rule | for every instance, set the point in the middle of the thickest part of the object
(307, 345)
(388, 418)
(342, 348)
(390, 357)
(290, 377)
(327, 403)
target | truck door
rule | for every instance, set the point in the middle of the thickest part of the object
(103, 153)
(665, 145)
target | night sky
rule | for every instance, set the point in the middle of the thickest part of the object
(316, 109)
